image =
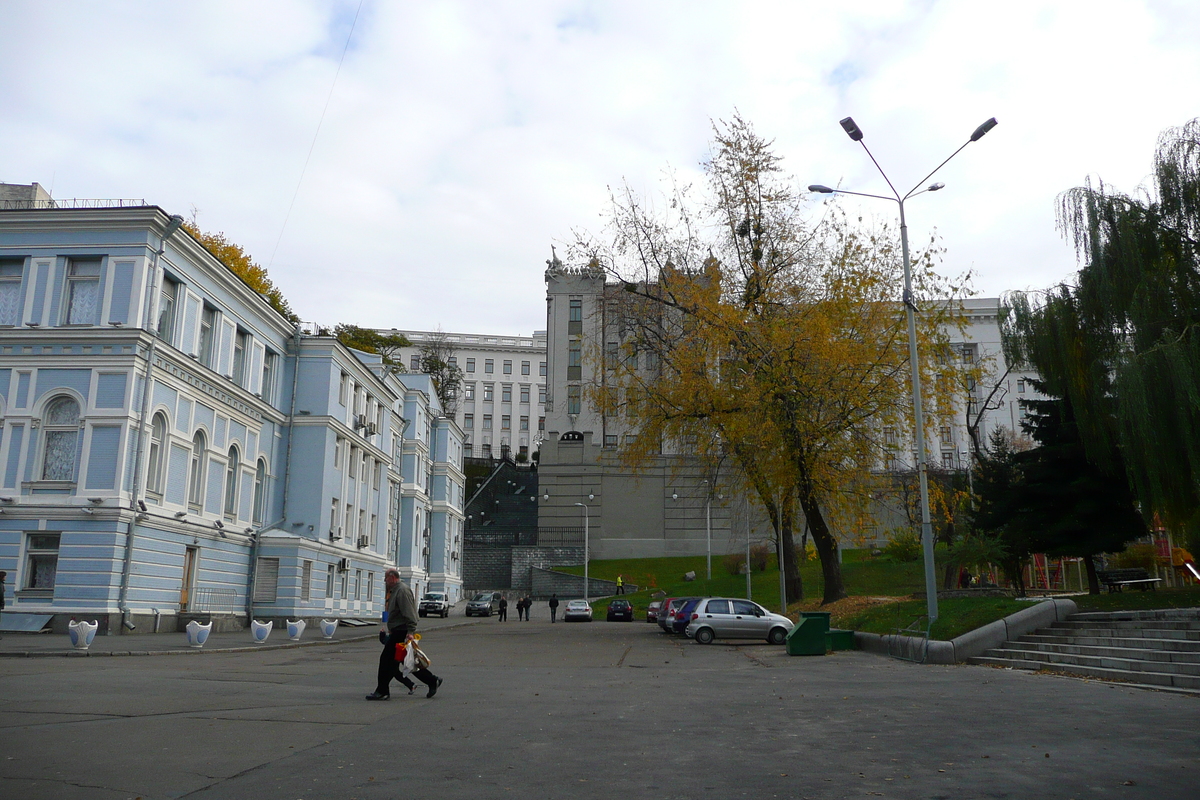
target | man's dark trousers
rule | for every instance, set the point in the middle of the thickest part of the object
(388, 666)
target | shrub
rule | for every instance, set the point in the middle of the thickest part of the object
(760, 555)
(905, 545)
(1136, 555)
(734, 563)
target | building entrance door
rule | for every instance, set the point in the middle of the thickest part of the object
(189, 577)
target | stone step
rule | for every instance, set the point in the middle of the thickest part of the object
(1185, 682)
(1013, 651)
(1108, 651)
(1183, 626)
(1055, 636)
(1142, 633)
(1186, 614)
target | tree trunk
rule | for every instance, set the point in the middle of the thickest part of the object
(827, 547)
(793, 586)
(1093, 579)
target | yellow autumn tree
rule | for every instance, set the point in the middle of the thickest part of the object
(239, 262)
(771, 339)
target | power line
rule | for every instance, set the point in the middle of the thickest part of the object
(316, 133)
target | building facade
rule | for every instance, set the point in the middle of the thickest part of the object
(171, 445)
(673, 506)
(501, 405)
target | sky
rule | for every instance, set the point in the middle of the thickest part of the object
(409, 165)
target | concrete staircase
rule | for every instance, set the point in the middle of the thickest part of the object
(1154, 648)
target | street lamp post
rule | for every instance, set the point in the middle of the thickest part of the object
(856, 134)
(708, 526)
(585, 550)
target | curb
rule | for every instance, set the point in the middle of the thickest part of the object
(976, 642)
(199, 651)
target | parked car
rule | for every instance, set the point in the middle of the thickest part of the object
(683, 615)
(652, 611)
(434, 603)
(620, 609)
(666, 615)
(577, 610)
(733, 618)
(483, 604)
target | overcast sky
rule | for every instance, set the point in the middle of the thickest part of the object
(461, 140)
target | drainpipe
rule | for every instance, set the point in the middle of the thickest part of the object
(252, 571)
(174, 224)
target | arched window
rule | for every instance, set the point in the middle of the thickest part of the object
(196, 474)
(61, 428)
(231, 481)
(260, 485)
(154, 469)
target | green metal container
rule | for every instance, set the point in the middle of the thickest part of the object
(808, 637)
(840, 639)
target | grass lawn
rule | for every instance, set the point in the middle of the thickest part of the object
(871, 583)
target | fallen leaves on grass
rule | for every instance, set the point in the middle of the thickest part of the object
(843, 609)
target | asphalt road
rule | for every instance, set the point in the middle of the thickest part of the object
(599, 710)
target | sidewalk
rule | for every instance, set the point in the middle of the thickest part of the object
(48, 645)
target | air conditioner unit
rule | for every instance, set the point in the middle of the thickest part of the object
(370, 429)
(335, 533)
(360, 421)
(363, 541)
(343, 565)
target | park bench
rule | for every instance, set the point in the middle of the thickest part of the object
(1114, 579)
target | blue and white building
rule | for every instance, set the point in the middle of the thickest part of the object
(170, 444)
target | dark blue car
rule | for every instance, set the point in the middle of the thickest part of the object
(684, 615)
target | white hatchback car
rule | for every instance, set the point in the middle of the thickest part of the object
(734, 618)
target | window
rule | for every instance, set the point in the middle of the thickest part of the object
(944, 434)
(343, 389)
(506, 393)
(505, 422)
(260, 484)
(333, 516)
(370, 586)
(154, 469)
(487, 450)
(611, 350)
(470, 365)
(542, 369)
(61, 427)
(488, 392)
(231, 475)
(574, 360)
(10, 291)
(524, 423)
(948, 460)
(83, 291)
(489, 365)
(414, 362)
(630, 439)
(208, 326)
(469, 391)
(268, 376)
(306, 580)
(524, 367)
(468, 421)
(453, 362)
(487, 422)
(166, 309)
(266, 580)
(524, 394)
(41, 560)
(542, 395)
(1021, 386)
(576, 310)
(241, 341)
(541, 423)
(507, 367)
(610, 440)
(573, 400)
(329, 582)
(196, 473)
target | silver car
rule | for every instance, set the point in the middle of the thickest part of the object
(734, 618)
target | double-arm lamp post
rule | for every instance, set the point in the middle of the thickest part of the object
(855, 133)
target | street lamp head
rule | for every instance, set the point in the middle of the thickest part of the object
(982, 129)
(933, 187)
(173, 224)
(816, 187)
(852, 130)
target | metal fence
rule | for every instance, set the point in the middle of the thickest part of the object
(912, 642)
(214, 601)
(544, 537)
(23, 205)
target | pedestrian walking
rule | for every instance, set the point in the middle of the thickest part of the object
(528, 605)
(399, 620)
(553, 606)
(503, 609)
(520, 608)
(416, 663)
(620, 585)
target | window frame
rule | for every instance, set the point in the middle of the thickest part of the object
(232, 473)
(57, 429)
(75, 282)
(33, 553)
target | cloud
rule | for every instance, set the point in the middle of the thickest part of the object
(462, 139)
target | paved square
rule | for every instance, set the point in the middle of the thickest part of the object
(600, 710)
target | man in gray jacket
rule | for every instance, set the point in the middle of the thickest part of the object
(400, 619)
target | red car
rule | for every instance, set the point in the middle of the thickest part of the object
(652, 611)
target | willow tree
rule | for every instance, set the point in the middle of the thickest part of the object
(775, 340)
(1122, 342)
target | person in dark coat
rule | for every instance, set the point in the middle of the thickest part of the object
(553, 606)
(503, 609)
(528, 605)
(400, 620)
